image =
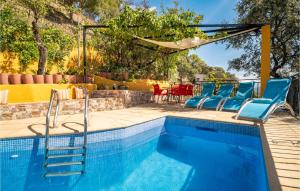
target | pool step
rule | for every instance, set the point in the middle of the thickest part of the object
(64, 164)
(64, 156)
(64, 148)
(53, 174)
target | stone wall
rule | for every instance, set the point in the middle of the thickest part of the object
(100, 100)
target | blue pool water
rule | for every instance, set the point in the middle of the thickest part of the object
(166, 154)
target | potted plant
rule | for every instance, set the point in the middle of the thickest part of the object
(69, 76)
(48, 78)
(79, 79)
(38, 79)
(27, 79)
(14, 78)
(3, 78)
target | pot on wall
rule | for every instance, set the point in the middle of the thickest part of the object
(57, 78)
(38, 79)
(71, 79)
(27, 79)
(4, 78)
(79, 79)
(14, 78)
(125, 76)
(108, 75)
(48, 79)
(90, 79)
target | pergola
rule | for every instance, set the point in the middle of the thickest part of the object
(177, 46)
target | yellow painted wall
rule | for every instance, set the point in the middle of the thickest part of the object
(21, 93)
(9, 63)
(145, 84)
(38, 92)
(138, 85)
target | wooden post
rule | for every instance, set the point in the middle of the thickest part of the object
(265, 66)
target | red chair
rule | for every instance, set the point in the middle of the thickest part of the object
(182, 90)
(189, 90)
(178, 90)
(175, 90)
(159, 92)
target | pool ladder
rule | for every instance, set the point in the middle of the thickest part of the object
(48, 150)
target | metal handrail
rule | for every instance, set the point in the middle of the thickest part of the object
(86, 120)
(86, 123)
(53, 93)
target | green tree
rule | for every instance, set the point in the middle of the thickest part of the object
(16, 37)
(59, 45)
(283, 16)
(39, 9)
(122, 51)
(98, 10)
(190, 65)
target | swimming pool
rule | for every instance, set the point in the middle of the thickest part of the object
(165, 154)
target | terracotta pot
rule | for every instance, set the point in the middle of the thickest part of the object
(27, 79)
(79, 79)
(108, 75)
(57, 78)
(125, 76)
(103, 74)
(70, 79)
(48, 79)
(4, 79)
(38, 79)
(14, 78)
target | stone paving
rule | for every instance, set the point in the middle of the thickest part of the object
(281, 133)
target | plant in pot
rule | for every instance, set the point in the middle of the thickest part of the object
(3, 78)
(58, 77)
(70, 75)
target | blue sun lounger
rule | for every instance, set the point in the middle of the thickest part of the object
(214, 102)
(274, 97)
(207, 90)
(244, 93)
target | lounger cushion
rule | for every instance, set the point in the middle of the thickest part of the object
(207, 89)
(225, 90)
(63, 94)
(245, 90)
(79, 93)
(193, 102)
(3, 96)
(212, 102)
(255, 110)
(233, 104)
(277, 89)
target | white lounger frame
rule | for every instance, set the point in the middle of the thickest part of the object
(271, 110)
(200, 105)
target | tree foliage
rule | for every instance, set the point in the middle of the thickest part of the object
(283, 16)
(59, 45)
(119, 45)
(16, 37)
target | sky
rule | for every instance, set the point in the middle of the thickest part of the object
(214, 12)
